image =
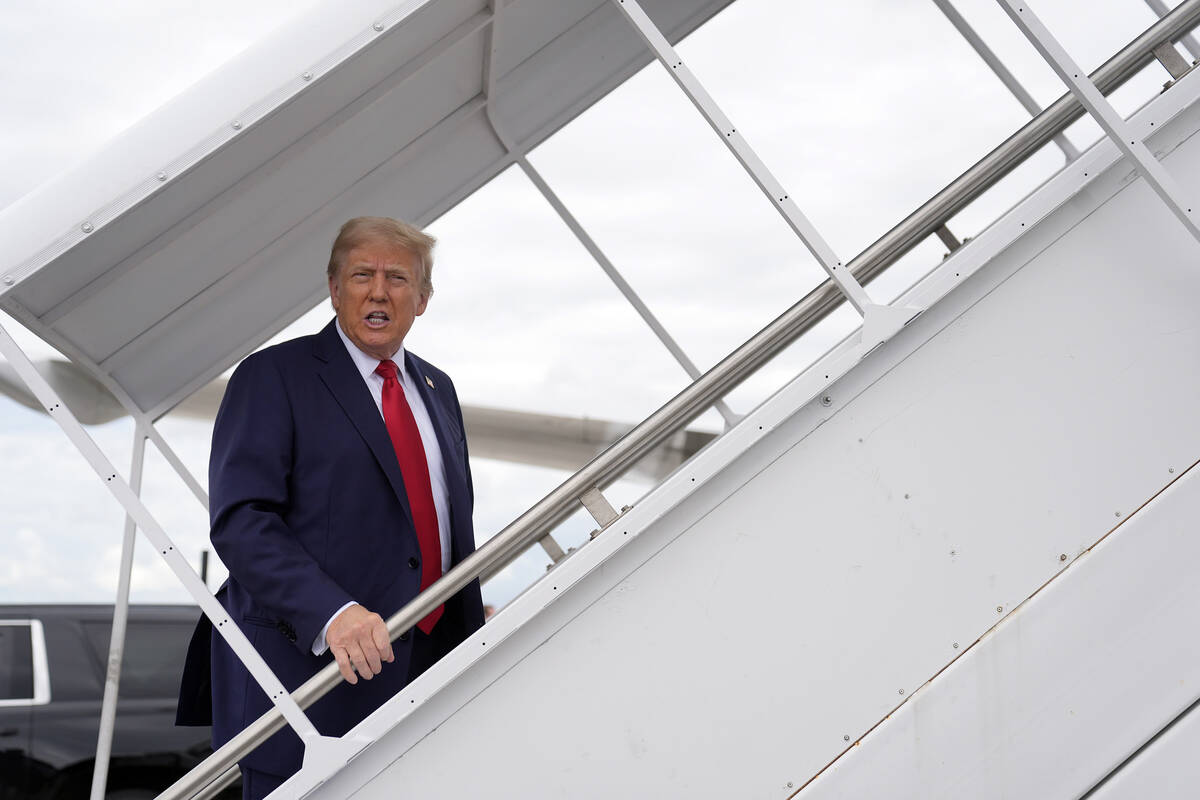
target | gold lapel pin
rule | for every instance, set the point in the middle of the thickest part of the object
(429, 382)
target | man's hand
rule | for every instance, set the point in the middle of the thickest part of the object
(359, 641)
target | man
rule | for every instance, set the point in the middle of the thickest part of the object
(339, 489)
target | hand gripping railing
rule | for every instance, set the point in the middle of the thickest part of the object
(526, 530)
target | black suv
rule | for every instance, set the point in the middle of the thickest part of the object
(52, 666)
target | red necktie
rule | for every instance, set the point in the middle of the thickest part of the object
(410, 452)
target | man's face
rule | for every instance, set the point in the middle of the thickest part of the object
(377, 295)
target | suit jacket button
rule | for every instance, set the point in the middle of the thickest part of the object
(403, 637)
(413, 563)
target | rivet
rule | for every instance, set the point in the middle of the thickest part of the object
(956, 645)
(826, 400)
(906, 497)
(846, 738)
(9, 280)
(901, 691)
(1118, 513)
(378, 26)
(999, 609)
(1062, 557)
(86, 227)
(237, 125)
(162, 176)
(789, 784)
(307, 76)
(1171, 470)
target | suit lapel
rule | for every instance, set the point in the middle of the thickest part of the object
(344, 381)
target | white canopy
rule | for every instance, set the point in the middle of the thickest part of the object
(199, 233)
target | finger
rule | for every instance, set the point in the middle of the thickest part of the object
(382, 644)
(343, 662)
(359, 660)
(372, 655)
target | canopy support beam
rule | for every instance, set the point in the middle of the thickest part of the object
(1119, 131)
(128, 498)
(518, 155)
(116, 644)
(1002, 72)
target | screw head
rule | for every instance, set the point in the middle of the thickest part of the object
(1062, 557)
(378, 26)
(9, 280)
(1118, 513)
(307, 76)
(237, 124)
(999, 609)
(901, 691)
(956, 645)
(846, 738)
(1171, 470)
(826, 400)
(87, 227)
(162, 176)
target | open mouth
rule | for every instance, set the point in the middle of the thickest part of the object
(377, 319)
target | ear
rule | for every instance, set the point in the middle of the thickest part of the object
(421, 306)
(333, 292)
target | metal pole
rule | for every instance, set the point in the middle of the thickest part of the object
(622, 285)
(1114, 126)
(116, 645)
(746, 156)
(695, 399)
(1189, 42)
(1012, 152)
(149, 526)
(573, 224)
(174, 460)
(1001, 72)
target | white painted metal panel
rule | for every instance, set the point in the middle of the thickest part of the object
(1167, 769)
(1061, 692)
(799, 579)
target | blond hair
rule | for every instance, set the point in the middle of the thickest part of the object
(365, 230)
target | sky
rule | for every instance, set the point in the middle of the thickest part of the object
(863, 110)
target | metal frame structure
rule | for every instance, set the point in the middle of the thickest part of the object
(584, 486)
(1102, 111)
(1189, 41)
(846, 282)
(1002, 72)
(142, 517)
(116, 645)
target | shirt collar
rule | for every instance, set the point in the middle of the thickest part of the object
(367, 363)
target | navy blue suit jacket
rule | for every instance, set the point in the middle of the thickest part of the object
(309, 511)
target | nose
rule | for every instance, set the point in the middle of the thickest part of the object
(377, 290)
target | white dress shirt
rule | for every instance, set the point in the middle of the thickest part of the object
(366, 365)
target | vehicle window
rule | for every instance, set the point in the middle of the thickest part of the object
(16, 662)
(154, 655)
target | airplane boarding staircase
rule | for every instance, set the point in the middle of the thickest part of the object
(962, 564)
(955, 557)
